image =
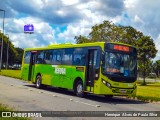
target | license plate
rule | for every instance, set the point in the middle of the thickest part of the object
(123, 91)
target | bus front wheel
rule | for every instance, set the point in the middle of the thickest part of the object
(78, 89)
(38, 81)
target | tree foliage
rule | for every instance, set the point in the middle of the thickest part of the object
(156, 67)
(14, 54)
(146, 51)
(109, 32)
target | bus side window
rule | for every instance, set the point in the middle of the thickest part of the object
(48, 56)
(79, 57)
(27, 57)
(40, 57)
(67, 56)
(56, 57)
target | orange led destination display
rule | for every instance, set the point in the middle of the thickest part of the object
(121, 48)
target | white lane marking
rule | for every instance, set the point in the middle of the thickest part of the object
(87, 104)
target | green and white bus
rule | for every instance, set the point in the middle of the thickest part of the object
(100, 68)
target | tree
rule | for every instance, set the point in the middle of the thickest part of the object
(156, 68)
(146, 51)
(81, 39)
(130, 35)
(14, 54)
(19, 56)
(109, 32)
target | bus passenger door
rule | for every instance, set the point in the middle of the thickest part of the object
(32, 66)
(91, 69)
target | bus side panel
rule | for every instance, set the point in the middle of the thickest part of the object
(43, 70)
(56, 78)
(72, 73)
(25, 70)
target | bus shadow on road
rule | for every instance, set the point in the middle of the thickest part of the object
(96, 98)
(114, 100)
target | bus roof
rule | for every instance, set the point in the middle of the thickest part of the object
(70, 45)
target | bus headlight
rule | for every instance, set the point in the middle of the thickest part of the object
(106, 83)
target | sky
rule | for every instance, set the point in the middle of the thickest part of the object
(59, 21)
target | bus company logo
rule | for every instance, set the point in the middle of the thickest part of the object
(29, 28)
(6, 114)
(60, 70)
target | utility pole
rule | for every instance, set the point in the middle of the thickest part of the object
(2, 40)
(7, 51)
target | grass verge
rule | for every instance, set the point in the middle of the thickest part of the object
(11, 73)
(149, 92)
(5, 108)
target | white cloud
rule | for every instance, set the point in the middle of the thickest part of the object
(137, 19)
(70, 2)
(43, 34)
(130, 3)
(144, 15)
(78, 16)
(81, 27)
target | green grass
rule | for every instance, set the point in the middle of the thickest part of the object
(11, 73)
(149, 92)
(4, 108)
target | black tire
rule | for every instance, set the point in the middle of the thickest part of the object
(38, 82)
(108, 96)
(78, 89)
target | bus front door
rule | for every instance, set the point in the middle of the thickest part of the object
(91, 68)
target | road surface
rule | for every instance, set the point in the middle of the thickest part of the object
(23, 96)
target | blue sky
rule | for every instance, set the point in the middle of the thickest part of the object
(59, 21)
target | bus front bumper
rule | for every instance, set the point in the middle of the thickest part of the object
(107, 89)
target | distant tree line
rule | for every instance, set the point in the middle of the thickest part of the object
(14, 53)
(110, 32)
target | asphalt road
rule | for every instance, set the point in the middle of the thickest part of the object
(23, 96)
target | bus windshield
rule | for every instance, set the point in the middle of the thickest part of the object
(121, 64)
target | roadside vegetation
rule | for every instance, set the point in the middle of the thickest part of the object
(11, 73)
(5, 108)
(150, 92)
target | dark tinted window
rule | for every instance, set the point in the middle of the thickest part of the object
(67, 56)
(79, 56)
(40, 57)
(27, 57)
(56, 56)
(48, 56)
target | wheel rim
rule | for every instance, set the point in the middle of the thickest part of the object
(79, 88)
(38, 82)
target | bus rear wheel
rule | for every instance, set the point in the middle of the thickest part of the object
(78, 89)
(38, 81)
